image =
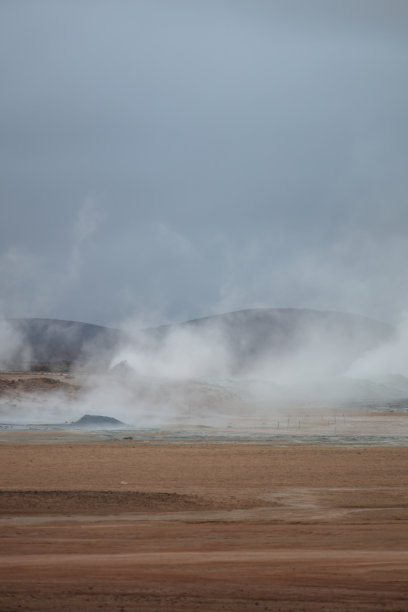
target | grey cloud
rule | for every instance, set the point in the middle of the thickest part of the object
(241, 152)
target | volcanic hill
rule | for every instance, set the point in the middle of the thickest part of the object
(248, 335)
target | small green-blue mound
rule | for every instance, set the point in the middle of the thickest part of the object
(98, 421)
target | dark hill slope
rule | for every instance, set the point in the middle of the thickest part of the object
(248, 335)
(53, 340)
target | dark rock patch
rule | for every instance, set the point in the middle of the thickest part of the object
(98, 421)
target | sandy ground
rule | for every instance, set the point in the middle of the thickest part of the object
(92, 521)
(121, 525)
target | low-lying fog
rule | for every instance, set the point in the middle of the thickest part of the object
(206, 375)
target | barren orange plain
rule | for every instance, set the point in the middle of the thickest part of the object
(87, 524)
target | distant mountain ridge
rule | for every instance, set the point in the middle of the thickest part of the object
(54, 340)
(247, 334)
(250, 335)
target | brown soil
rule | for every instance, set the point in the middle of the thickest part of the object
(16, 384)
(122, 525)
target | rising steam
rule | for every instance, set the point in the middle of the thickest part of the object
(250, 364)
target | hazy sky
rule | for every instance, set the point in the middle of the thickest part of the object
(187, 157)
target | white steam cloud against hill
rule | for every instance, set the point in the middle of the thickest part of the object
(12, 346)
(242, 155)
(204, 375)
(192, 375)
(388, 359)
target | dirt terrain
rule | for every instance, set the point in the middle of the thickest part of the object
(92, 521)
(123, 525)
(16, 384)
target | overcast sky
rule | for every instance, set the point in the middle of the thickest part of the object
(186, 157)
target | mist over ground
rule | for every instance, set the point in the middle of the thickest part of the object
(255, 364)
(162, 161)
